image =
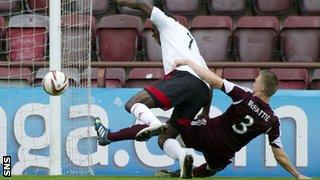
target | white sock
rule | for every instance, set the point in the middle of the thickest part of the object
(173, 149)
(144, 114)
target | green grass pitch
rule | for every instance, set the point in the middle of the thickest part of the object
(136, 178)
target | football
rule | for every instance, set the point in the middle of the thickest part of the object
(55, 83)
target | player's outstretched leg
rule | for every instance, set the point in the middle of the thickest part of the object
(186, 166)
(102, 132)
(151, 131)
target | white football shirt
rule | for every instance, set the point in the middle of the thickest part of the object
(176, 43)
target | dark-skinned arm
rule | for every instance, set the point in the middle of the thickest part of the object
(138, 5)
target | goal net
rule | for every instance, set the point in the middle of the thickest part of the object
(24, 107)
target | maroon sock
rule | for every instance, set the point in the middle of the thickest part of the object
(127, 133)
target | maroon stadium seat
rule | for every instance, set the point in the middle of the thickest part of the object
(151, 48)
(227, 7)
(106, 77)
(9, 6)
(213, 35)
(38, 5)
(118, 37)
(98, 6)
(315, 80)
(300, 39)
(310, 7)
(256, 38)
(241, 76)
(272, 7)
(141, 77)
(182, 7)
(292, 78)
(115, 77)
(16, 77)
(127, 10)
(73, 27)
(27, 36)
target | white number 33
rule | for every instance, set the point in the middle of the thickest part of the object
(244, 125)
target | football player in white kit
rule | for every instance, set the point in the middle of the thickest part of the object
(181, 88)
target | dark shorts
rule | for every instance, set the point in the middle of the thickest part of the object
(181, 90)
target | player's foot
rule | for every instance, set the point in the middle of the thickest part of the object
(102, 132)
(167, 173)
(150, 131)
(186, 166)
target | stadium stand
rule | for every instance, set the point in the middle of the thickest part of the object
(127, 10)
(2, 36)
(98, 6)
(227, 7)
(70, 36)
(15, 77)
(7, 6)
(300, 39)
(181, 7)
(315, 80)
(292, 78)
(151, 49)
(213, 35)
(27, 35)
(310, 7)
(242, 76)
(38, 6)
(255, 38)
(117, 37)
(141, 77)
(272, 7)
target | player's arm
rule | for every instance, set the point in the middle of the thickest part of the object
(207, 75)
(284, 161)
(137, 4)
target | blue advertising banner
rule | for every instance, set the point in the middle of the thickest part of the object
(24, 134)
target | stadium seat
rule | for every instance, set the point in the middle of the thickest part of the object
(75, 29)
(115, 77)
(39, 6)
(72, 73)
(182, 7)
(98, 6)
(213, 35)
(9, 6)
(127, 10)
(118, 37)
(272, 7)
(151, 48)
(241, 76)
(227, 7)
(315, 80)
(292, 78)
(27, 37)
(310, 7)
(15, 77)
(141, 77)
(300, 39)
(255, 38)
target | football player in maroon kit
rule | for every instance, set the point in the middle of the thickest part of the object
(247, 117)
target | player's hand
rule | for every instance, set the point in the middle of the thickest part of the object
(179, 62)
(301, 176)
